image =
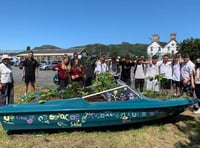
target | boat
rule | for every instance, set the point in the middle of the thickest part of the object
(117, 106)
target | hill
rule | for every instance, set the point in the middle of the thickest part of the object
(117, 49)
(122, 49)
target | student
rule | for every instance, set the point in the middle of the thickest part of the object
(176, 74)
(114, 68)
(196, 82)
(75, 56)
(187, 68)
(6, 82)
(151, 72)
(139, 74)
(126, 66)
(89, 65)
(30, 71)
(77, 72)
(165, 67)
(64, 70)
(101, 66)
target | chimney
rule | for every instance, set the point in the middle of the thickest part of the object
(155, 38)
(173, 36)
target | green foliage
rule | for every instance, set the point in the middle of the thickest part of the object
(190, 46)
(118, 49)
(104, 81)
(28, 48)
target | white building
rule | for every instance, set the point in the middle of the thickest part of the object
(161, 48)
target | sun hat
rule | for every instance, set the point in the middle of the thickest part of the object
(5, 56)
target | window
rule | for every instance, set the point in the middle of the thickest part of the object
(159, 49)
(151, 48)
(120, 94)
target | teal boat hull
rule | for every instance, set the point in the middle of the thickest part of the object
(78, 113)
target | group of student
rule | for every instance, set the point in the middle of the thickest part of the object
(180, 73)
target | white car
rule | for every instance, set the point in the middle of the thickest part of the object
(48, 66)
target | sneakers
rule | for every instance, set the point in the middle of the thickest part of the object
(197, 111)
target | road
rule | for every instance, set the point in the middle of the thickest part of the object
(45, 78)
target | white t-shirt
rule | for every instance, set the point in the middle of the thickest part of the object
(6, 73)
(139, 73)
(165, 68)
(152, 70)
(101, 68)
(176, 72)
(186, 70)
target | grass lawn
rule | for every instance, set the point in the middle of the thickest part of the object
(180, 131)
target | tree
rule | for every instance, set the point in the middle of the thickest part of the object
(190, 46)
(28, 48)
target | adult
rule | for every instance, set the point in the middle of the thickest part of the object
(187, 68)
(64, 72)
(6, 82)
(126, 66)
(30, 71)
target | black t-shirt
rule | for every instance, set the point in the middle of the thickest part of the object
(30, 66)
(126, 69)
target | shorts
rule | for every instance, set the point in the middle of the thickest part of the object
(29, 79)
(176, 83)
(166, 84)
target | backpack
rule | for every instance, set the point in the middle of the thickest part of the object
(136, 68)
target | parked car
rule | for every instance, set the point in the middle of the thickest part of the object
(48, 66)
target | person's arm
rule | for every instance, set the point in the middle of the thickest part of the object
(192, 79)
(23, 72)
(36, 72)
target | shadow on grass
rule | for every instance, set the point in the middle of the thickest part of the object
(192, 132)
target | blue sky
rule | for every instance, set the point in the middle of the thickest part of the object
(68, 23)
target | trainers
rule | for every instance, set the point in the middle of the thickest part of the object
(197, 111)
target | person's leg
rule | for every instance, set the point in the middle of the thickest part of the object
(197, 90)
(32, 79)
(3, 94)
(26, 91)
(168, 86)
(141, 85)
(10, 93)
(27, 80)
(33, 86)
(128, 81)
(174, 88)
(136, 84)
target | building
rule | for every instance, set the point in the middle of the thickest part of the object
(161, 48)
(53, 54)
